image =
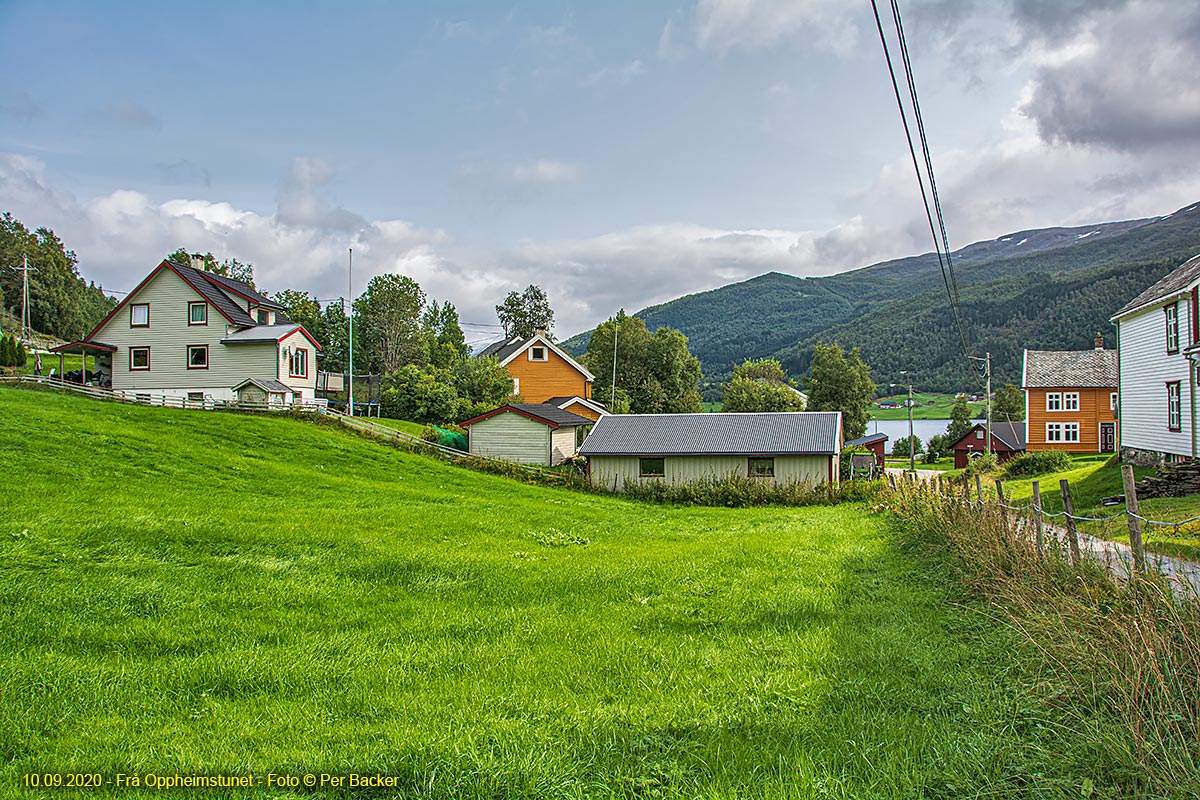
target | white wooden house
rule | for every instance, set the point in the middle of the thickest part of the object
(1158, 357)
(528, 433)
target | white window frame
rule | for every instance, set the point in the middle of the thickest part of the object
(302, 353)
(1172, 317)
(1112, 401)
(516, 386)
(132, 368)
(200, 305)
(1054, 401)
(1070, 401)
(192, 347)
(1174, 407)
(545, 353)
(133, 323)
(1062, 432)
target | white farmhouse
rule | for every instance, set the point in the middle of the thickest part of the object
(193, 335)
(1158, 356)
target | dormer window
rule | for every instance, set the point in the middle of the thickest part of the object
(197, 313)
(539, 354)
(139, 315)
(264, 317)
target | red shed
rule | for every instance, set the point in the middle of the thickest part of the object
(874, 442)
(1008, 440)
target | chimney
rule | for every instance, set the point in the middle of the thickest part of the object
(539, 332)
(1099, 341)
(197, 261)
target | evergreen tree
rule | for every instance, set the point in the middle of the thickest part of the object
(20, 355)
(7, 356)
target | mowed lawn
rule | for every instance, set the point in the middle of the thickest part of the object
(200, 591)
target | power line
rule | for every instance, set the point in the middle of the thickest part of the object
(951, 290)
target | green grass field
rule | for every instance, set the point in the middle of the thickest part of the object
(414, 428)
(940, 409)
(204, 592)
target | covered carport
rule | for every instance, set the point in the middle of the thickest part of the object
(101, 358)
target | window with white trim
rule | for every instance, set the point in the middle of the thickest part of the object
(1054, 401)
(516, 385)
(139, 358)
(197, 313)
(1174, 407)
(1062, 432)
(539, 354)
(1070, 401)
(1112, 402)
(197, 356)
(139, 315)
(298, 363)
(1172, 314)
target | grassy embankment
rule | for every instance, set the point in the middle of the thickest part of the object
(228, 593)
(940, 409)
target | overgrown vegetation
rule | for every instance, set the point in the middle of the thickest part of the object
(1037, 462)
(1126, 652)
(738, 491)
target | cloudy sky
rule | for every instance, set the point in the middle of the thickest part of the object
(619, 153)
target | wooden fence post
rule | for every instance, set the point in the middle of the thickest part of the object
(1135, 523)
(979, 490)
(1072, 531)
(1037, 520)
(1003, 510)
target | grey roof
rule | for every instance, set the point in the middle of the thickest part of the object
(554, 414)
(558, 401)
(261, 333)
(1012, 434)
(796, 433)
(1070, 368)
(868, 439)
(266, 385)
(215, 295)
(504, 348)
(244, 289)
(1176, 281)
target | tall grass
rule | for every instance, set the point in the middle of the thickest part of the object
(1126, 647)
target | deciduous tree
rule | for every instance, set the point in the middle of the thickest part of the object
(655, 372)
(960, 419)
(1009, 404)
(841, 382)
(760, 386)
(387, 324)
(522, 314)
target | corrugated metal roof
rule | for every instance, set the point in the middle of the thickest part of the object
(1176, 281)
(215, 295)
(261, 333)
(868, 439)
(799, 433)
(1045, 369)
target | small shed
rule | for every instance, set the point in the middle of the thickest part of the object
(1008, 441)
(875, 442)
(259, 391)
(784, 447)
(528, 433)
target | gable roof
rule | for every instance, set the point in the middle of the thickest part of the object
(213, 293)
(551, 416)
(507, 349)
(1010, 434)
(241, 289)
(868, 439)
(773, 434)
(1046, 369)
(1175, 282)
(567, 400)
(268, 333)
(266, 385)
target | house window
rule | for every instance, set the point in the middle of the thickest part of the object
(298, 363)
(197, 313)
(1054, 401)
(1112, 402)
(1172, 312)
(760, 467)
(1070, 401)
(516, 386)
(1174, 413)
(1064, 432)
(139, 358)
(538, 354)
(978, 434)
(264, 316)
(652, 467)
(139, 315)
(197, 356)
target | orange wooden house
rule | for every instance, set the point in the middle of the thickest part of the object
(1071, 399)
(544, 373)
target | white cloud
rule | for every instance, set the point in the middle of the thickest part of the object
(723, 25)
(622, 74)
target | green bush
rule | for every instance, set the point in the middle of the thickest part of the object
(1038, 463)
(8, 355)
(737, 491)
(981, 464)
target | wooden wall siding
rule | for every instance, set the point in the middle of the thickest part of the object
(168, 338)
(1094, 408)
(1145, 369)
(511, 437)
(303, 387)
(562, 445)
(577, 408)
(613, 472)
(541, 380)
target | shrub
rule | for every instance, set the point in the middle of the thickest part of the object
(900, 446)
(736, 491)
(981, 464)
(937, 447)
(1037, 463)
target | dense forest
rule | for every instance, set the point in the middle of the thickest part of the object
(1051, 289)
(61, 303)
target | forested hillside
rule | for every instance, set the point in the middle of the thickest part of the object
(1050, 288)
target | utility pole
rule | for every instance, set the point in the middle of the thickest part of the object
(24, 270)
(987, 371)
(350, 404)
(612, 401)
(912, 444)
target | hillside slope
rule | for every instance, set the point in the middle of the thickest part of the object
(208, 592)
(902, 302)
